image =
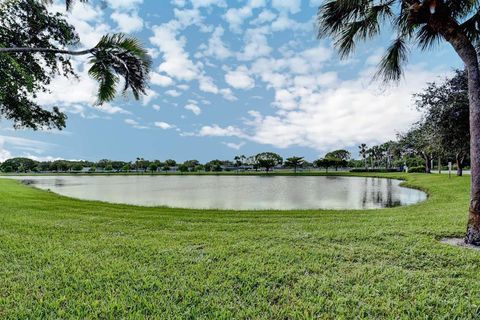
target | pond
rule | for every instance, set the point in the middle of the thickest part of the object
(234, 192)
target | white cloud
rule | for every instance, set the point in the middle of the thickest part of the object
(177, 63)
(135, 124)
(264, 17)
(183, 87)
(256, 44)
(236, 16)
(293, 6)
(109, 109)
(347, 114)
(156, 107)
(217, 131)
(206, 84)
(194, 108)
(240, 78)
(149, 96)
(173, 93)
(124, 4)
(236, 146)
(228, 94)
(160, 80)
(283, 22)
(163, 125)
(208, 3)
(21, 144)
(216, 48)
(87, 20)
(128, 22)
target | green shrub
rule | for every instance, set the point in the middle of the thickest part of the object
(416, 170)
(375, 170)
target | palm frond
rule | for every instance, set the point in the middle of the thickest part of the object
(427, 37)
(348, 21)
(391, 65)
(461, 8)
(120, 56)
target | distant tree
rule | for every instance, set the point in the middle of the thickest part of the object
(268, 160)
(325, 163)
(446, 111)
(77, 167)
(170, 163)
(191, 164)
(141, 164)
(338, 158)
(294, 162)
(214, 165)
(183, 168)
(44, 166)
(239, 161)
(166, 168)
(19, 164)
(109, 168)
(339, 154)
(103, 163)
(419, 141)
(363, 153)
(117, 165)
(126, 167)
(153, 167)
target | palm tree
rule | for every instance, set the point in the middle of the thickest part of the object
(424, 23)
(239, 161)
(294, 162)
(363, 153)
(115, 55)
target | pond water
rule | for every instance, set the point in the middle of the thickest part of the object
(234, 192)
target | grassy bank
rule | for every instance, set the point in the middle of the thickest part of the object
(64, 258)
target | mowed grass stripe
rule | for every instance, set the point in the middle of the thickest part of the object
(66, 258)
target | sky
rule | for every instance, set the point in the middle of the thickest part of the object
(228, 78)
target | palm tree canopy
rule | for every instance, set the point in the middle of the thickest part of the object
(422, 23)
(117, 55)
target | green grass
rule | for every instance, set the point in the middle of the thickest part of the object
(65, 258)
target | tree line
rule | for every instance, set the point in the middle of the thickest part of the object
(442, 134)
(265, 161)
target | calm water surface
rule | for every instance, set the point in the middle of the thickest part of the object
(234, 192)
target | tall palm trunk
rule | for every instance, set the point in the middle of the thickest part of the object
(428, 162)
(459, 160)
(468, 54)
(473, 228)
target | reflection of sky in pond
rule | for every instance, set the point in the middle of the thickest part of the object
(235, 192)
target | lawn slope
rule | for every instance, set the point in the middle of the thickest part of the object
(65, 258)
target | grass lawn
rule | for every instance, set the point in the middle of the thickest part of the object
(64, 258)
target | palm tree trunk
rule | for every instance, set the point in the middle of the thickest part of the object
(468, 54)
(427, 163)
(459, 159)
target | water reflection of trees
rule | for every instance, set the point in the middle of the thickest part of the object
(379, 192)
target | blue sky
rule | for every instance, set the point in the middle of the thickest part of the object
(229, 78)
